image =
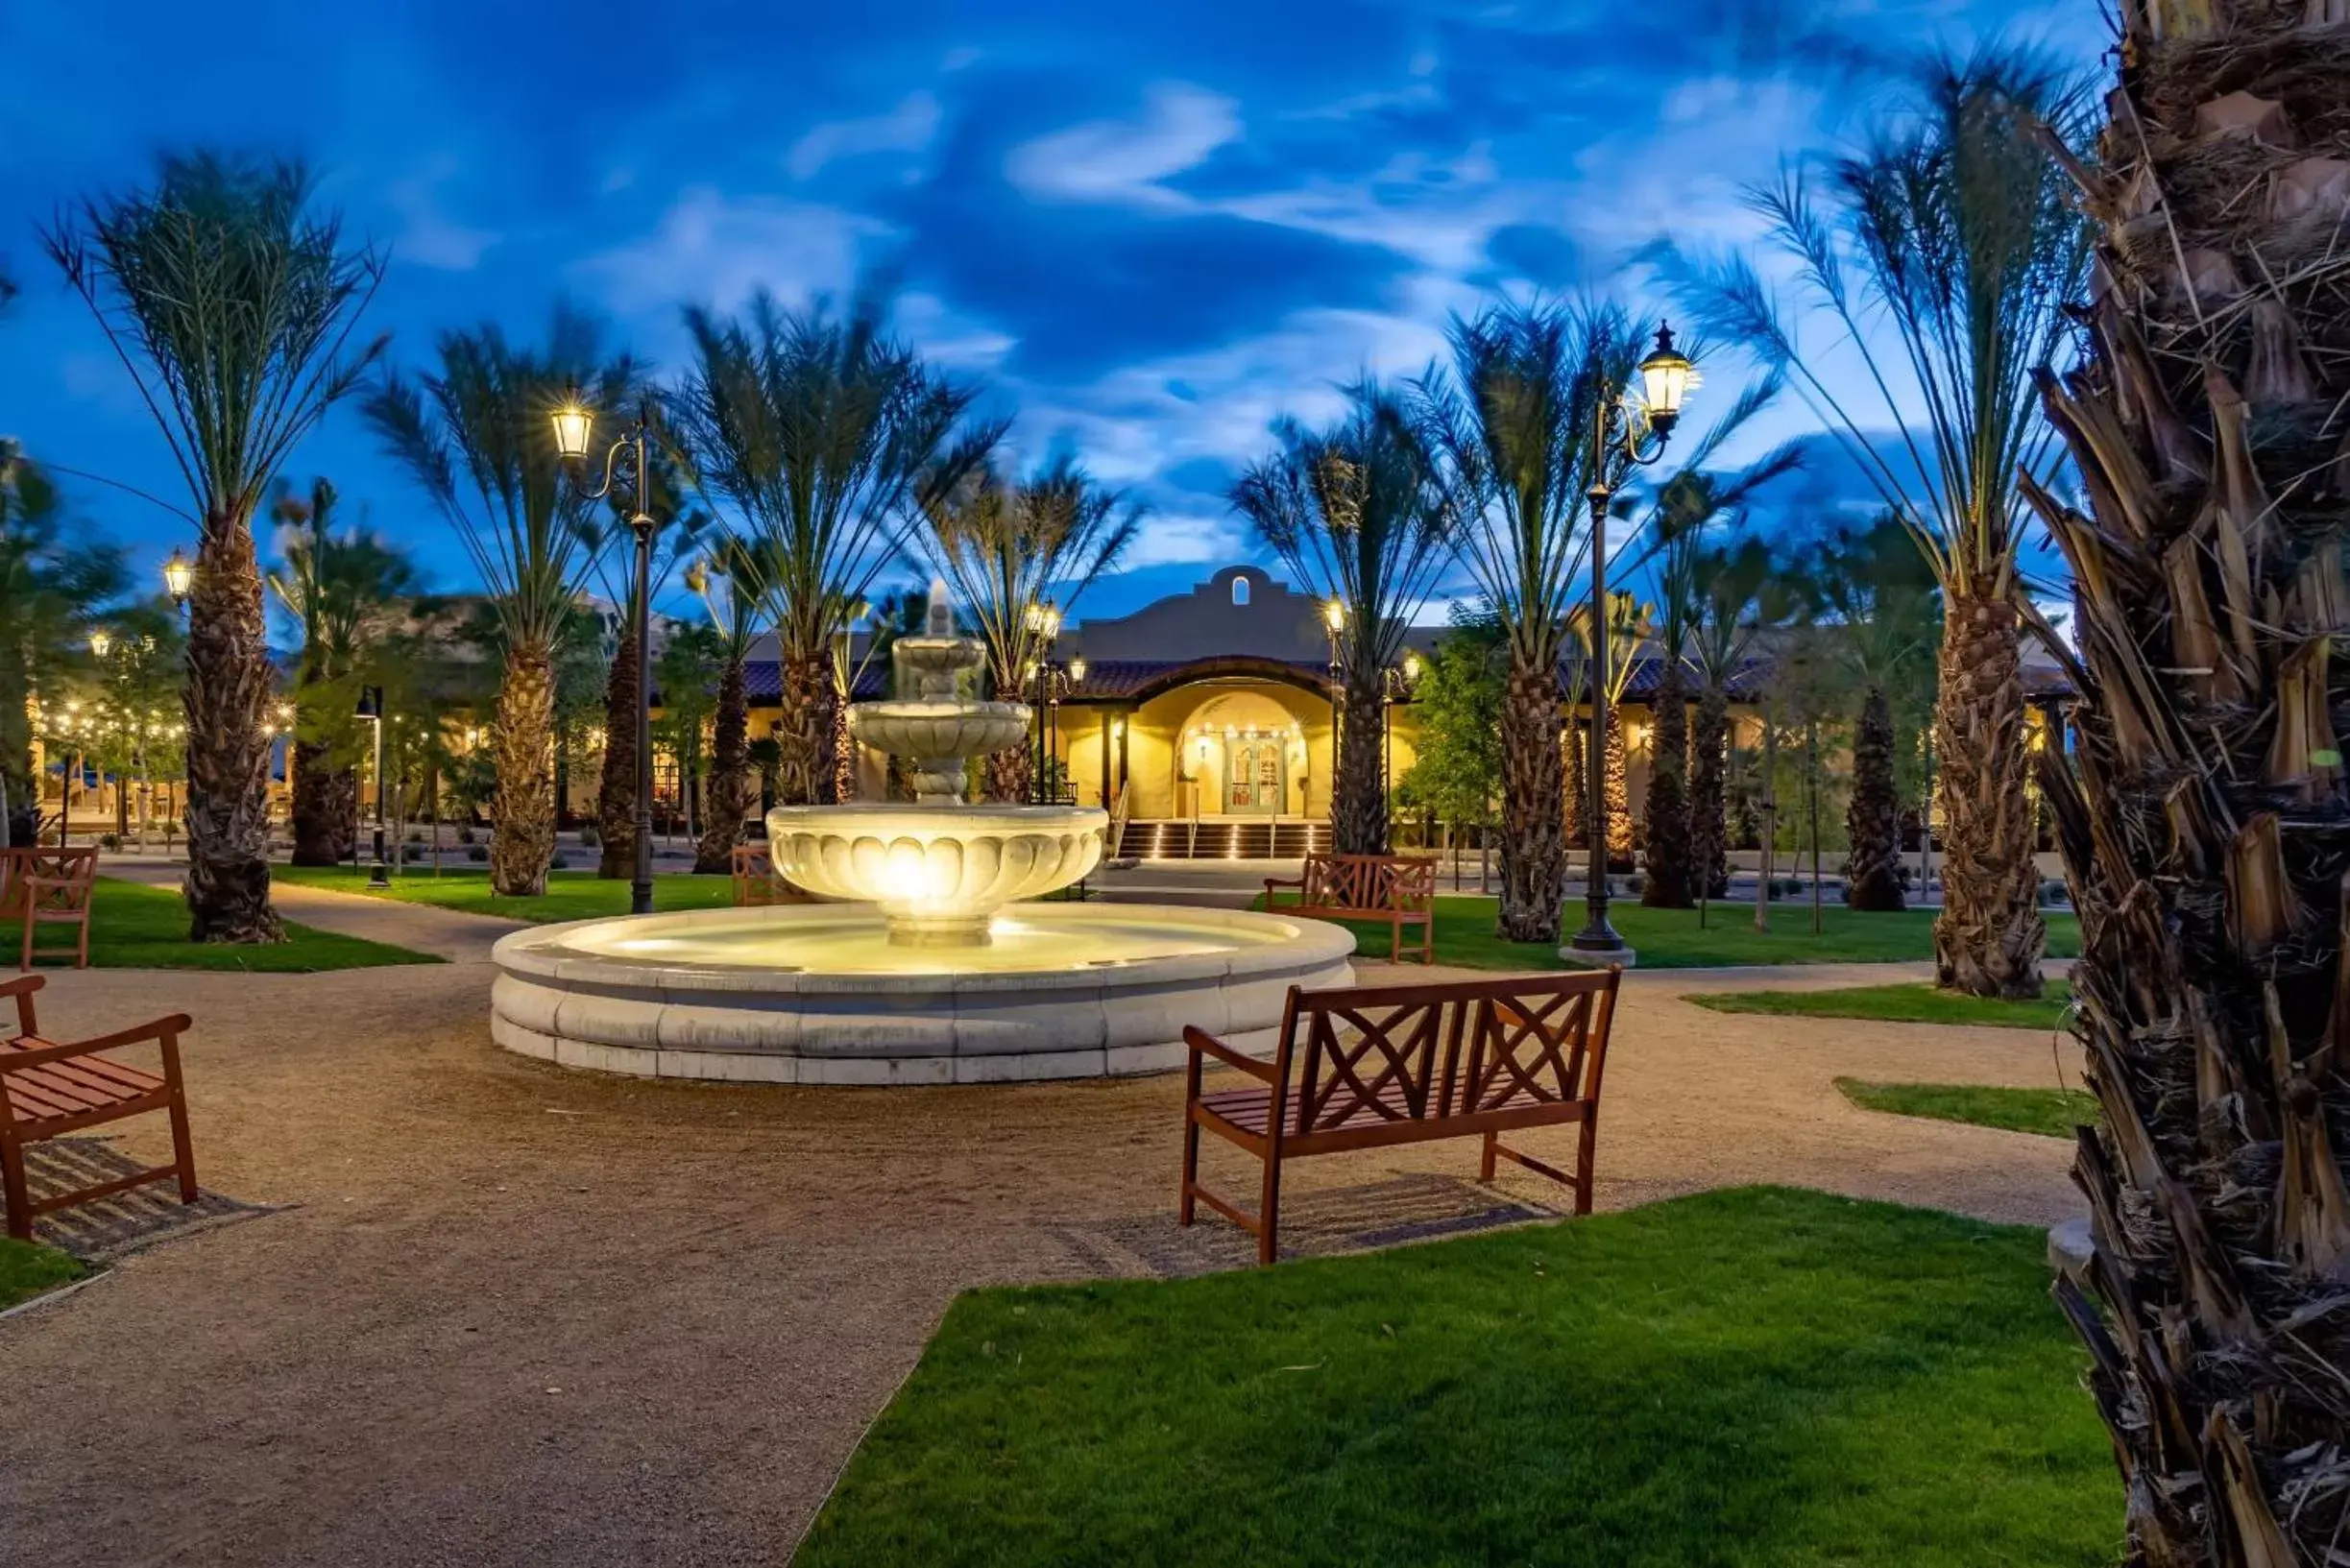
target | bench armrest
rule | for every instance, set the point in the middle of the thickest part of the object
(1272, 882)
(162, 1029)
(1203, 1043)
(21, 988)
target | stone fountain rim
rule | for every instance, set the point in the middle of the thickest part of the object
(949, 821)
(1300, 942)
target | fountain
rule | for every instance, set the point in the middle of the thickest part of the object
(931, 970)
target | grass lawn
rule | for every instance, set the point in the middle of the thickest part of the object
(571, 895)
(2052, 1112)
(26, 1270)
(1672, 938)
(1897, 1004)
(1755, 1377)
(133, 926)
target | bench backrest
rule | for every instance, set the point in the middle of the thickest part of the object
(1370, 882)
(1422, 1052)
(52, 880)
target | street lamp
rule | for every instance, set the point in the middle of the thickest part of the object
(627, 458)
(1638, 430)
(1047, 681)
(370, 708)
(1334, 622)
(101, 641)
(179, 579)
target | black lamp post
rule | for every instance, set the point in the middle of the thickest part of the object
(625, 459)
(1639, 431)
(370, 708)
(1048, 682)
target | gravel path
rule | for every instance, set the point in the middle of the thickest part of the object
(524, 1316)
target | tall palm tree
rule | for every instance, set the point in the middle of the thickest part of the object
(2201, 811)
(827, 438)
(340, 588)
(231, 300)
(737, 615)
(1955, 232)
(1730, 578)
(50, 593)
(1359, 516)
(476, 436)
(1006, 547)
(1511, 428)
(1877, 599)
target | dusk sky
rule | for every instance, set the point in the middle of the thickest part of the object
(1148, 230)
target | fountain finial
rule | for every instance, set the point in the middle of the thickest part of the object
(940, 619)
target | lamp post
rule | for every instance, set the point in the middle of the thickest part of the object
(625, 458)
(1334, 622)
(1639, 431)
(370, 708)
(179, 580)
(1044, 623)
(1395, 686)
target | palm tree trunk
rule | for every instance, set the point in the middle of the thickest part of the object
(1988, 937)
(230, 680)
(325, 802)
(1533, 803)
(615, 790)
(1669, 884)
(805, 731)
(1619, 800)
(730, 775)
(2202, 812)
(1572, 811)
(1872, 818)
(1708, 793)
(1769, 860)
(522, 829)
(1358, 809)
(1009, 772)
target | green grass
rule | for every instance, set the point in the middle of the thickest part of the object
(26, 1270)
(1897, 1004)
(1673, 939)
(1756, 1377)
(133, 926)
(2052, 1113)
(571, 895)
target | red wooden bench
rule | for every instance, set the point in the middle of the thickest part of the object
(48, 887)
(758, 884)
(1389, 1064)
(1400, 889)
(48, 1091)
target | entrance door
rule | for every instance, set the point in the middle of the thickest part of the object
(1253, 786)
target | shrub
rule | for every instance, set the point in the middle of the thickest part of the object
(479, 853)
(2054, 892)
(588, 836)
(558, 862)
(465, 835)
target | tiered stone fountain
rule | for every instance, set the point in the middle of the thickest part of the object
(930, 970)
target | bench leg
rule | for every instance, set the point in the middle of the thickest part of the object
(18, 1199)
(183, 1147)
(1484, 1167)
(1268, 1209)
(1585, 1153)
(1188, 1205)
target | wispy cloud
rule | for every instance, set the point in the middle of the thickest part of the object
(906, 129)
(428, 236)
(715, 250)
(1124, 160)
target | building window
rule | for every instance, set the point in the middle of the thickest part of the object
(1240, 590)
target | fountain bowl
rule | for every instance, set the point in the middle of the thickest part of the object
(940, 730)
(938, 871)
(816, 994)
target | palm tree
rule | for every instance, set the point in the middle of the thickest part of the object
(1729, 581)
(736, 622)
(2200, 812)
(1008, 548)
(1358, 515)
(340, 588)
(828, 439)
(50, 594)
(476, 436)
(1955, 230)
(1880, 600)
(231, 303)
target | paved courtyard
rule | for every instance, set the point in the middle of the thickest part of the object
(514, 1315)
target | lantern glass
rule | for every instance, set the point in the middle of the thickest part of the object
(178, 575)
(574, 425)
(100, 641)
(1334, 615)
(1077, 669)
(1666, 377)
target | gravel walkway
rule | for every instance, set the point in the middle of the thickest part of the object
(524, 1315)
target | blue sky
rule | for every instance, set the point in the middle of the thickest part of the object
(1150, 231)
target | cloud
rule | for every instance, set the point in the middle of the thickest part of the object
(427, 235)
(906, 129)
(1124, 162)
(715, 249)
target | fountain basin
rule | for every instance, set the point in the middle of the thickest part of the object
(937, 873)
(818, 994)
(951, 731)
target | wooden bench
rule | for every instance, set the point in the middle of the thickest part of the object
(1400, 889)
(48, 1091)
(1375, 1067)
(758, 884)
(48, 887)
